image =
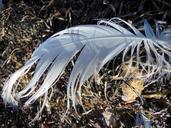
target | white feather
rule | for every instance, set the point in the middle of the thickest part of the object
(98, 45)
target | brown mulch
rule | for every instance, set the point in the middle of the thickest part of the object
(25, 24)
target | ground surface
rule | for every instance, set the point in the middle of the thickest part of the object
(25, 24)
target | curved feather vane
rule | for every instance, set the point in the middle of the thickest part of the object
(97, 45)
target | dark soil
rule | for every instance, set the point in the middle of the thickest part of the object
(25, 24)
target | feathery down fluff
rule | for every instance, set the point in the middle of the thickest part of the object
(97, 45)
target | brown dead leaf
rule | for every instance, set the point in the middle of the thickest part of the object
(132, 88)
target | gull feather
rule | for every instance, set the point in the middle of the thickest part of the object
(97, 45)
